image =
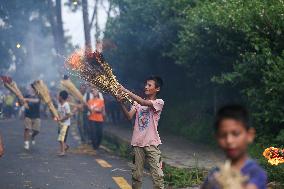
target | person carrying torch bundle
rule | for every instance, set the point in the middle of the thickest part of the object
(145, 138)
(64, 120)
(62, 115)
(31, 118)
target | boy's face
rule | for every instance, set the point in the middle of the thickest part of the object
(95, 92)
(82, 89)
(233, 138)
(150, 88)
(60, 98)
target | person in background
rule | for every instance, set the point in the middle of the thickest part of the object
(8, 105)
(96, 118)
(31, 118)
(64, 112)
(234, 134)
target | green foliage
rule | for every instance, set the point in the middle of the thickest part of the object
(180, 177)
(238, 43)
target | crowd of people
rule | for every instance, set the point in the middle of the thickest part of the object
(232, 129)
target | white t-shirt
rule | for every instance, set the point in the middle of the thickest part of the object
(63, 110)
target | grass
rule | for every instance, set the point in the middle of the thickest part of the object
(182, 177)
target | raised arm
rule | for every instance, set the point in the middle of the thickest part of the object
(129, 114)
(137, 98)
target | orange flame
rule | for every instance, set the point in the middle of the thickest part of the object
(274, 155)
(75, 60)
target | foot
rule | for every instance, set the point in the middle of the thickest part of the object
(27, 145)
(33, 142)
(61, 154)
(66, 147)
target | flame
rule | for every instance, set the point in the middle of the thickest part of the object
(75, 60)
(274, 155)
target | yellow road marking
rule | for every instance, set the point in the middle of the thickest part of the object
(103, 163)
(121, 182)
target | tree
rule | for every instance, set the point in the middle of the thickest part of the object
(87, 28)
(55, 19)
(238, 44)
(27, 24)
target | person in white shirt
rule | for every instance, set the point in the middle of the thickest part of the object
(64, 121)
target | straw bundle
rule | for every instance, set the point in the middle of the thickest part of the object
(42, 90)
(12, 86)
(229, 178)
(71, 88)
(91, 67)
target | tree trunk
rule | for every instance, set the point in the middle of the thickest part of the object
(52, 21)
(55, 20)
(97, 29)
(60, 31)
(87, 30)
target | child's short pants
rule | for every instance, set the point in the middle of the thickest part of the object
(63, 133)
(32, 124)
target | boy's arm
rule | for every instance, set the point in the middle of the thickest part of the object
(137, 98)
(33, 100)
(129, 114)
(68, 115)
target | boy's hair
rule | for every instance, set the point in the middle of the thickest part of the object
(235, 112)
(63, 94)
(65, 77)
(158, 81)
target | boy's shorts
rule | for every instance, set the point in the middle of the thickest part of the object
(63, 133)
(32, 124)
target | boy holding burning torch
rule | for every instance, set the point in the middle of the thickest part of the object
(145, 138)
(234, 134)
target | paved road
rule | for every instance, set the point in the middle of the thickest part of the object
(40, 168)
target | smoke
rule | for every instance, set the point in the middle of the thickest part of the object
(40, 56)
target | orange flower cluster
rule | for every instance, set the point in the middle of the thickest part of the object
(275, 156)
